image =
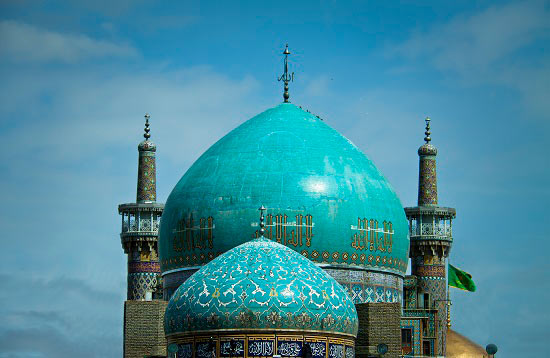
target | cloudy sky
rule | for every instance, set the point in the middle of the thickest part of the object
(78, 76)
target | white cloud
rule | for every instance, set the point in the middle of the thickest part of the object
(27, 43)
(479, 40)
(190, 108)
(498, 46)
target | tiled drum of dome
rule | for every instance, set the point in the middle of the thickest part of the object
(261, 285)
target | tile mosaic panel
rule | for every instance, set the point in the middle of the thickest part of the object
(413, 324)
(147, 185)
(264, 345)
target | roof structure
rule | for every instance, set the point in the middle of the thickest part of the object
(260, 286)
(326, 199)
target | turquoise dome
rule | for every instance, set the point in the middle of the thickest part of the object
(260, 285)
(325, 198)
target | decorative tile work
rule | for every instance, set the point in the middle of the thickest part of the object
(262, 346)
(318, 346)
(431, 279)
(193, 234)
(350, 352)
(413, 324)
(185, 350)
(371, 294)
(427, 182)
(381, 262)
(289, 347)
(380, 297)
(261, 285)
(140, 283)
(147, 184)
(232, 347)
(369, 236)
(428, 271)
(205, 350)
(431, 315)
(259, 347)
(152, 266)
(364, 286)
(171, 281)
(336, 350)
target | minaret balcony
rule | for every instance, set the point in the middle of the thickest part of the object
(427, 231)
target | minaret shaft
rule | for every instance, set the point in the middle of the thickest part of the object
(147, 178)
(427, 176)
(427, 181)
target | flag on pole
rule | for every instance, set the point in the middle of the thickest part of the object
(461, 279)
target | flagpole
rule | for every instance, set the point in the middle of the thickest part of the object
(448, 295)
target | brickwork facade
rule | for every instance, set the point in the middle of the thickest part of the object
(144, 329)
(378, 323)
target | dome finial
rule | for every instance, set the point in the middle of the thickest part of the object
(286, 77)
(262, 225)
(146, 135)
(427, 138)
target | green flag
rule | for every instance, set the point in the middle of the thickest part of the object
(461, 279)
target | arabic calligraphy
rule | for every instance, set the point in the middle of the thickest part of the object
(371, 237)
(189, 236)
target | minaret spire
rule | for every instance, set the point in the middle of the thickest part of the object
(427, 138)
(427, 177)
(146, 135)
(147, 183)
(286, 77)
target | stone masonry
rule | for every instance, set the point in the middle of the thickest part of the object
(378, 323)
(141, 337)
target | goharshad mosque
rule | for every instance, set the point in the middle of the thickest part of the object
(284, 240)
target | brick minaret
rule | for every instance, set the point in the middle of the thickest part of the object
(143, 312)
(431, 240)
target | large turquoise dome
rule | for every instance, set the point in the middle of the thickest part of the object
(260, 286)
(325, 198)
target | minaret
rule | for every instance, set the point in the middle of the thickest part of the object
(140, 224)
(144, 308)
(431, 240)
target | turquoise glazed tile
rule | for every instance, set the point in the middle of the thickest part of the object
(261, 285)
(325, 198)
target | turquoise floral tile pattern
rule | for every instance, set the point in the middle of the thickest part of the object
(261, 285)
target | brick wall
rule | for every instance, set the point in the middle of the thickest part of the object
(144, 329)
(379, 323)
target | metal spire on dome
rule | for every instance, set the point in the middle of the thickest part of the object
(427, 138)
(262, 225)
(146, 135)
(286, 77)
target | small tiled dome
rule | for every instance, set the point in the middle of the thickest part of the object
(147, 145)
(261, 286)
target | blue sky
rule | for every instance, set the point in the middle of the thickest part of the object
(77, 78)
